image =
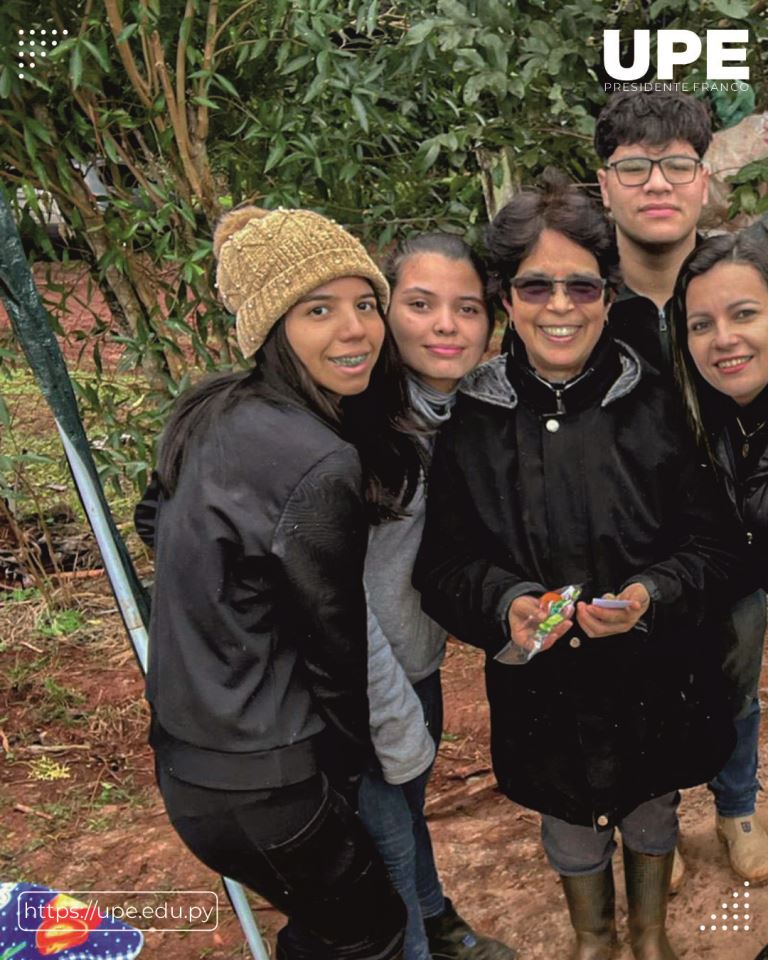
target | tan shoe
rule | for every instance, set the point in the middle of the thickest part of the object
(747, 843)
(678, 873)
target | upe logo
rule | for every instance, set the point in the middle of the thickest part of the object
(677, 48)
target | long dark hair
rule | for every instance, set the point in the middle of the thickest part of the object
(378, 421)
(707, 408)
(446, 245)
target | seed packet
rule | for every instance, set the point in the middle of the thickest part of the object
(559, 605)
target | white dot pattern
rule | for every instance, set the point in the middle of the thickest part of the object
(734, 906)
(31, 48)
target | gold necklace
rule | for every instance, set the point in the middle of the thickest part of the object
(748, 436)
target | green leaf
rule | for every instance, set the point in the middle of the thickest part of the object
(314, 88)
(40, 132)
(473, 88)
(362, 116)
(110, 148)
(734, 9)
(5, 414)
(419, 33)
(373, 15)
(296, 64)
(29, 142)
(226, 85)
(6, 80)
(432, 153)
(276, 154)
(64, 46)
(127, 32)
(75, 67)
(185, 29)
(98, 54)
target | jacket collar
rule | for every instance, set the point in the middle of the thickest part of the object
(627, 293)
(489, 382)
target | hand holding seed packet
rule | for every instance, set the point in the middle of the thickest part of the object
(553, 609)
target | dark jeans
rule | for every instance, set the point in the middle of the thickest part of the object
(302, 848)
(735, 787)
(394, 816)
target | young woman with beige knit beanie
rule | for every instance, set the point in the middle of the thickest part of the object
(265, 486)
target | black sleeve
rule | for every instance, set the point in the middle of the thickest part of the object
(466, 585)
(145, 514)
(704, 571)
(320, 542)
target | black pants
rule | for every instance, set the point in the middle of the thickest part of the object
(303, 849)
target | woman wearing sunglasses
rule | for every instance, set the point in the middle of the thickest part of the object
(568, 462)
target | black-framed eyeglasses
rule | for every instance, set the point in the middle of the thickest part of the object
(636, 171)
(577, 289)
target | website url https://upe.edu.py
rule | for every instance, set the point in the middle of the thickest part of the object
(154, 911)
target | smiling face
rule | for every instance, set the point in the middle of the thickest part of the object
(438, 318)
(559, 335)
(658, 213)
(337, 332)
(727, 310)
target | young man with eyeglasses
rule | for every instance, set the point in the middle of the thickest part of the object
(654, 185)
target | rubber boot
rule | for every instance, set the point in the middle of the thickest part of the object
(451, 938)
(591, 904)
(647, 879)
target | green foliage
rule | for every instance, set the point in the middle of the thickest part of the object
(21, 595)
(31, 464)
(46, 769)
(388, 115)
(59, 623)
(748, 195)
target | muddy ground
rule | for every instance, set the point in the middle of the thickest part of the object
(77, 701)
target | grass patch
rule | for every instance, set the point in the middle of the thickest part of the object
(59, 623)
(46, 769)
(121, 425)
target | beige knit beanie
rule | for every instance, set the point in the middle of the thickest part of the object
(269, 260)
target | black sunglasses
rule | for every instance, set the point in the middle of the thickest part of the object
(577, 289)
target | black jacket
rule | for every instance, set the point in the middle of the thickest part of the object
(638, 322)
(600, 486)
(749, 496)
(258, 643)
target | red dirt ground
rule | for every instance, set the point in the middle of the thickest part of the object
(105, 827)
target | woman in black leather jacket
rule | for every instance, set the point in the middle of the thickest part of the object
(568, 461)
(721, 334)
(720, 337)
(265, 486)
